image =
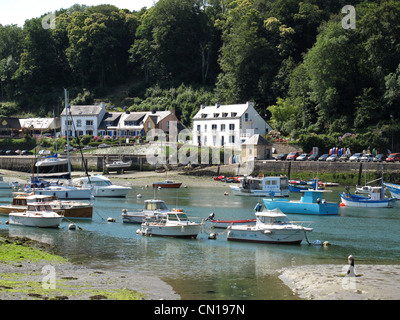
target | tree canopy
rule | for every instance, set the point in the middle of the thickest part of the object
(293, 58)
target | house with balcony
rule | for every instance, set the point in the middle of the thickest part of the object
(227, 125)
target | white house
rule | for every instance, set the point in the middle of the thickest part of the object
(85, 120)
(227, 125)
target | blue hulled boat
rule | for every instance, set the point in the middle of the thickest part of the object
(394, 189)
(311, 202)
(376, 199)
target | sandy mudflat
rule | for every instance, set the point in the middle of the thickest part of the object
(327, 282)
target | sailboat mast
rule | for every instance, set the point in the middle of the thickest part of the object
(67, 131)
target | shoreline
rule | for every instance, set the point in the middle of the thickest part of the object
(329, 282)
(25, 279)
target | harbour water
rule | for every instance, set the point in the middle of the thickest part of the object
(218, 269)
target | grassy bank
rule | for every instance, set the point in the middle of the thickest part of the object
(23, 275)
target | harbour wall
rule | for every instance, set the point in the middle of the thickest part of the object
(270, 167)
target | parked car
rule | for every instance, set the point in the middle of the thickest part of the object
(367, 158)
(292, 155)
(379, 158)
(302, 157)
(323, 157)
(343, 157)
(2, 152)
(282, 156)
(25, 153)
(332, 158)
(355, 157)
(393, 157)
(10, 152)
(313, 157)
(104, 145)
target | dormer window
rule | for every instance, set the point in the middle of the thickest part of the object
(216, 115)
(224, 114)
(204, 115)
(233, 114)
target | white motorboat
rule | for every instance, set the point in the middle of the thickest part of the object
(64, 192)
(174, 224)
(36, 215)
(266, 186)
(152, 210)
(272, 226)
(102, 186)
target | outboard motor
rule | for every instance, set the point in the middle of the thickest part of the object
(211, 216)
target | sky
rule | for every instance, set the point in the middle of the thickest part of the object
(17, 11)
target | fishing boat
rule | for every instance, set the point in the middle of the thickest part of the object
(272, 226)
(69, 209)
(262, 186)
(152, 210)
(36, 215)
(311, 202)
(101, 186)
(375, 199)
(394, 189)
(223, 224)
(174, 224)
(167, 184)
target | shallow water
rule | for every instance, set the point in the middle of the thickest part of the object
(218, 269)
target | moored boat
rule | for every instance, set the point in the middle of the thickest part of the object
(118, 164)
(39, 215)
(51, 161)
(223, 224)
(311, 202)
(101, 186)
(375, 199)
(167, 184)
(394, 189)
(152, 210)
(69, 209)
(264, 186)
(272, 226)
(174, 224)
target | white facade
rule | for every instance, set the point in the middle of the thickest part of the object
(227, 125)
(84, 120)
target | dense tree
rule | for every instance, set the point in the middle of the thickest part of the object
(306, 73)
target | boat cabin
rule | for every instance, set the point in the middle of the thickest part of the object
(178, 216)
(312, 196)
(39, 207)
(153, 205)
(275, 216)
(278, 185)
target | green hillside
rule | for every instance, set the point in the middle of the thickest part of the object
(310, 77)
